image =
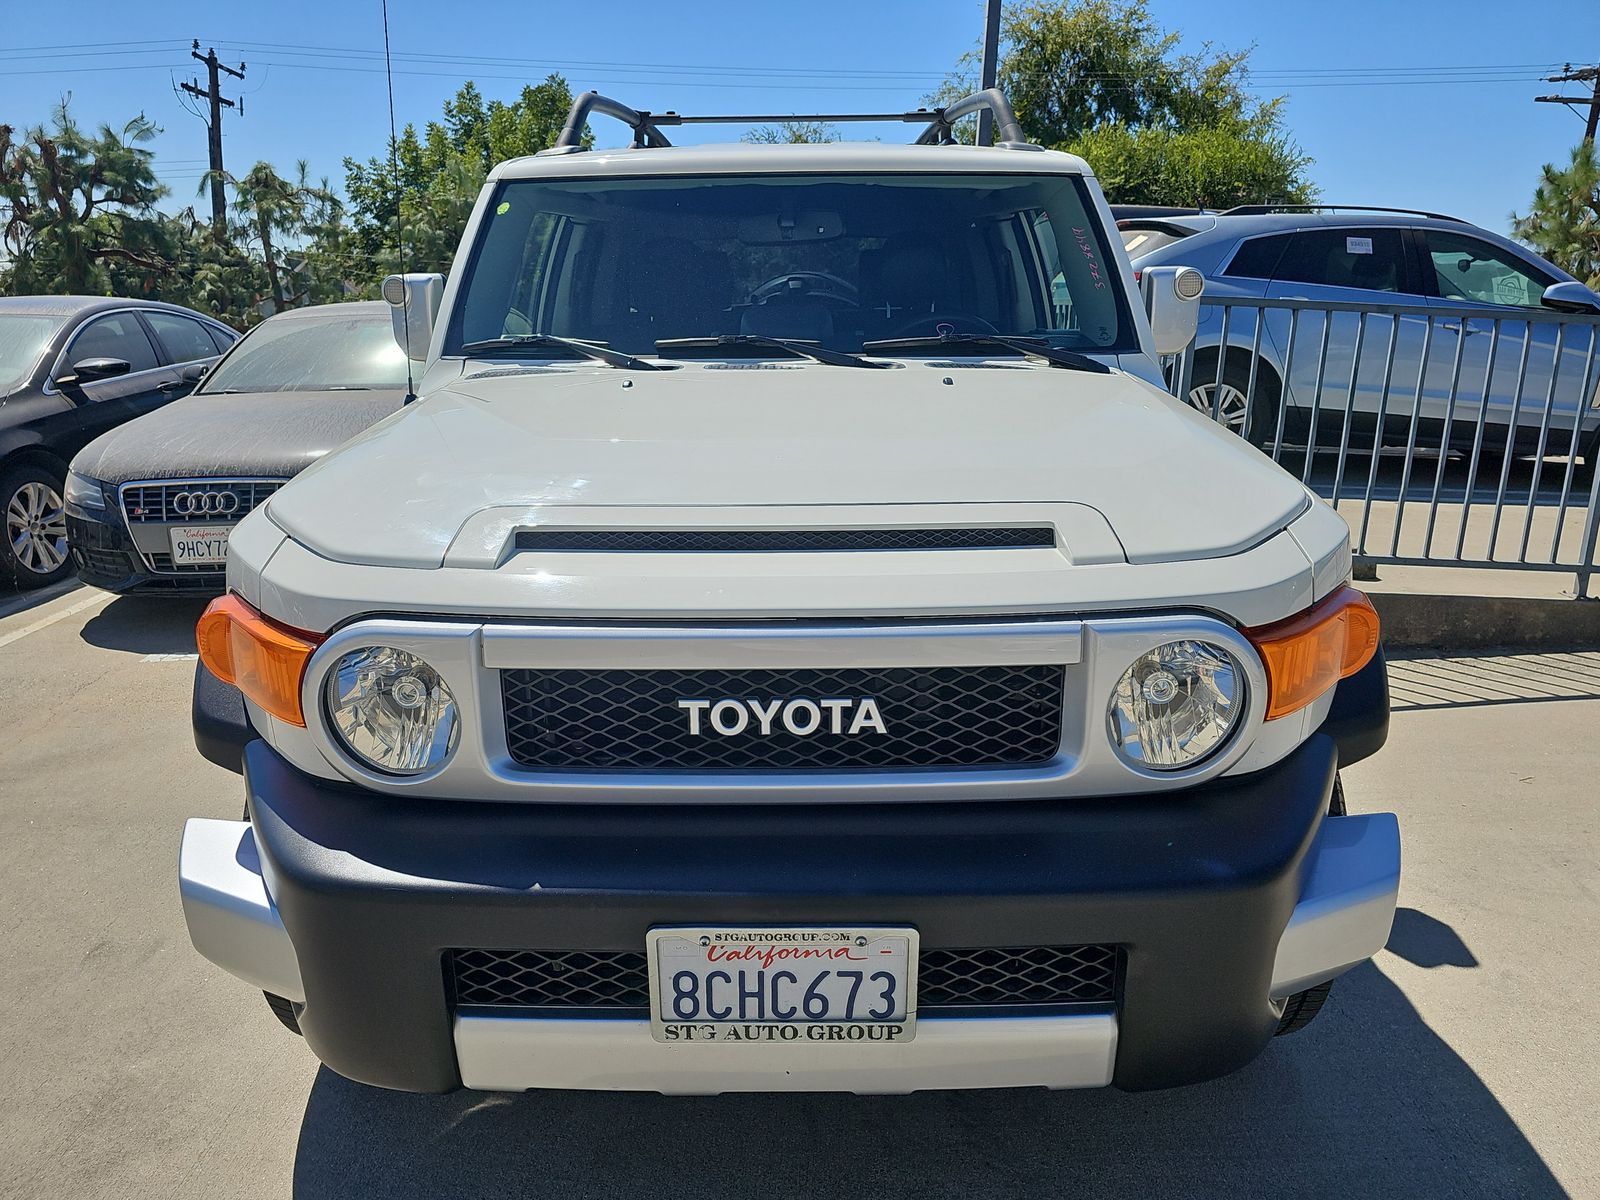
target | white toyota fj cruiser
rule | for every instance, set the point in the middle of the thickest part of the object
(793, 641)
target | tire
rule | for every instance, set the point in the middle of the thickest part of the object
(1300, 1009)
(284, 1011)
(33, 518)
(1253, 418)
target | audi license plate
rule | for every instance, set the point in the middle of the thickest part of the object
(783, 985)
(199, 545)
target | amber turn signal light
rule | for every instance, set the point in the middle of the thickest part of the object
(263, 659)
(1308, 653)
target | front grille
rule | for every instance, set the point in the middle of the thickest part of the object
(552, 978)
(164, 563)
(932, 716)
(108, 564)
(153, 502)
(618, 980)
(720, 541)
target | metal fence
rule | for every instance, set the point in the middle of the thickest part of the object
(1445, 435)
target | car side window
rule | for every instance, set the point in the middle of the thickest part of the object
(116, 335)
(1257, 258)
(222, 338)
(1466, 268)
(1369, 257)
(184, 338)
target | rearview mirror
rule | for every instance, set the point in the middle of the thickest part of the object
(88, 370)
(1172, 298)
(194, 372)
(413, 307)
(1569, 296)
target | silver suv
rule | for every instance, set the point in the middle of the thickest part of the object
(1384, 260)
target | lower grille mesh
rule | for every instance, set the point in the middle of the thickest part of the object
(983, 977)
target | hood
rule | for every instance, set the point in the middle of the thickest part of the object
(265, 434)
(1172, 484)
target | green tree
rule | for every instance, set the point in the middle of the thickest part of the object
(72, 203)
(1563, 223)
(273, 214)
(1101, 78)
(790, 133)
(438, 173)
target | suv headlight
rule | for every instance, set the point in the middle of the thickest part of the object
(1176, 705)
(83, 492)
(391, 711)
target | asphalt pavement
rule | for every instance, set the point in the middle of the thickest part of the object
(1463, 1062)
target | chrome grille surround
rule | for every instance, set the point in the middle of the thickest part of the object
(470, 656)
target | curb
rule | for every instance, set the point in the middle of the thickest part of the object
(1442, 622)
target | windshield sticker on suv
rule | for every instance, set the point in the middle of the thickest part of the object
(1358, 245)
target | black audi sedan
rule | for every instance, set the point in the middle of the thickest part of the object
(149, 505)
(72, 367)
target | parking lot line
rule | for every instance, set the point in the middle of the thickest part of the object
(61, 614)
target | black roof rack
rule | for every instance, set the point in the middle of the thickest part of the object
(647, 126)
(1240, 210)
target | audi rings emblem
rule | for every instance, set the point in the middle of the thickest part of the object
(205, 504)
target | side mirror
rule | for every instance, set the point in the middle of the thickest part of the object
(88, 370)
(1570, 297)
(413, 307)
(1172, 298)
(194, 372)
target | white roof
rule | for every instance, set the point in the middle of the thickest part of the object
(742, 158)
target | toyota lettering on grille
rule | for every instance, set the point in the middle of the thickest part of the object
(205, 504)
(799, 717)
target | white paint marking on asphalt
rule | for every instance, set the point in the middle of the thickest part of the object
(190, 657)
(38, 598)
(93, 601)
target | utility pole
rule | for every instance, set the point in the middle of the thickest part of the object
(1590, 75)
(991, 67)
(213, 93)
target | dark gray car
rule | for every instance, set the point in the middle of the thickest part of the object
(72, 367)
(150, 505)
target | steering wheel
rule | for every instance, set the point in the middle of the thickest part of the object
(811, 285)
(928, 324)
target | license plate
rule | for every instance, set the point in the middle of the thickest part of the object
(809, 984)
(199, 545)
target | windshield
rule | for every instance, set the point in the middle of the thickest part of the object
(839, 260)
(324, 353)
(22, 339)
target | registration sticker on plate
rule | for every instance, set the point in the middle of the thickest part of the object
(199, 545)
(804, 984)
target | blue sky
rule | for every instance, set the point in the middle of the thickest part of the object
(1401, 103)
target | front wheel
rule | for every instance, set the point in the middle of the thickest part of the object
(35, 521)
(1254, 418)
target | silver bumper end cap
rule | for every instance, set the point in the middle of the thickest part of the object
(230, 914)
(513, 1054)
(1346, 903)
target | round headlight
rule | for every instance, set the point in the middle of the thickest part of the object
(1176, 705)
(391, 710)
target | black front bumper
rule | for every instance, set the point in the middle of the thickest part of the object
(105, 557)
(1195, 887)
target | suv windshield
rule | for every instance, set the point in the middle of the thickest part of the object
(840, 260)
(316, 354)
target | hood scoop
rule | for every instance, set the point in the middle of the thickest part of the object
(784, 541)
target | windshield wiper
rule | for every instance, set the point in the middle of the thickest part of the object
(549, 341)
(833, 358)
(1035, 347)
